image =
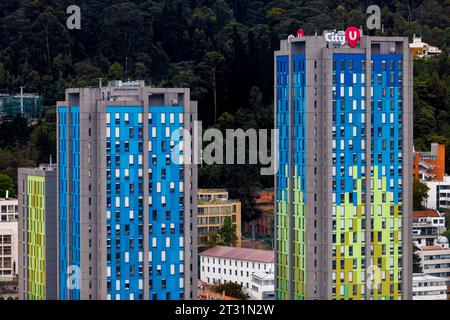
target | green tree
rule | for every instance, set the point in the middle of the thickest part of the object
(213, 60)
(420, 193)
(7, 184)
(417, 266)
(231, 289)
(116, 72)
(227, 232)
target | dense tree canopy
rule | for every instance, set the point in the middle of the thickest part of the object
(221, 49)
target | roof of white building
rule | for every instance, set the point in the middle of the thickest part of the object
(426, 213)
(265, 256)
(426, 277)
(433, 248)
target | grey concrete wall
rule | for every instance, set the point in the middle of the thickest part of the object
(319, 156)
(93, 102)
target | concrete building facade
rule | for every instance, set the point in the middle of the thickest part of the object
(426, 287)
(427, 227)
(435, 260)
(344, 185)
(438, 194)
(262, 286)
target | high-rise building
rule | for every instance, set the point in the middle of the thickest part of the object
(8, 238)
(126, 195)
(343, 107)
(37, 233)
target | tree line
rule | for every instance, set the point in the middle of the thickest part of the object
(221, 49)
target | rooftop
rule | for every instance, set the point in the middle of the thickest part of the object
(10, 200)
(266, 256)
(426, 213)
(426, 277)
(432, 248)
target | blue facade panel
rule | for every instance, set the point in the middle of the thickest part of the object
(125, 192)
(69, 178)
(166, 216)
(125, 233)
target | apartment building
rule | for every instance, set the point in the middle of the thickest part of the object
(426, 287)
(214, 206)
(427, 226)
(37, 233)
(343, 191)
(127, 222)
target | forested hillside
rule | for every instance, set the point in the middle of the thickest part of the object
(221, 48)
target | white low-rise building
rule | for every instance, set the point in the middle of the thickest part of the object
(228, 264)
(9, 253)
(427, 226)
(438, 195)
(263, 286)
(435, 260)
(426, 287)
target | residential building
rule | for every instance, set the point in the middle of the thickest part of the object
(127, 222)
(435, 260)
(438, 194)
(8, 288)
(343, 107)
(263, 225)
(430, 166)
(427, 226)
(263, 286)
(37, 233)
(214, 206)
(8, 238)
(420, 49)
(426, 287)
(229, 264)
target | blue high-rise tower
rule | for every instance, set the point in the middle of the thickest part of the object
(127, 217)
(343, 107)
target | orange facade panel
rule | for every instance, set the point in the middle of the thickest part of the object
(430, 166)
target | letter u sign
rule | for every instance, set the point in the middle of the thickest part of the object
(352, 34)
